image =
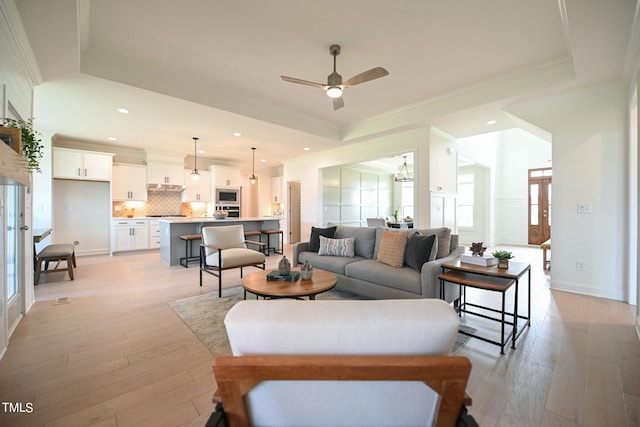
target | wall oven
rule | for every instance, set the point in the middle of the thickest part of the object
(227, 196)
(233, 210)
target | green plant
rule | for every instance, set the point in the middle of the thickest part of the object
(395, 214)
(31, 142)
(502, 254)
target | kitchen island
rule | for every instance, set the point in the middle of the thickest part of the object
(172, 248)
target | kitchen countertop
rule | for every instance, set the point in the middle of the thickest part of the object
(181, 220)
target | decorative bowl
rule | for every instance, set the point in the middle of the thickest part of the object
(220, 214)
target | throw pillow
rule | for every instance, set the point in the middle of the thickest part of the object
(337, 247)
(391, 250)
(314, 240)
(418, 250)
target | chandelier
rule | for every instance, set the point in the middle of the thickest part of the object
(403, 174)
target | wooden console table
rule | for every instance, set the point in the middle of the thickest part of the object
(490, 279)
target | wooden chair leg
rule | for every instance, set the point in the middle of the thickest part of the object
(38, 272)
(70, 265)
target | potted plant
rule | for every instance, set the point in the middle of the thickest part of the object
(30, 138)
(503, 258)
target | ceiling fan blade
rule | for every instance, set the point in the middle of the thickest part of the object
(338, 103)
(302, 82)
(372, 74)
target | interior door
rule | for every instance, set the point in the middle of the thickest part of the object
(539, 205)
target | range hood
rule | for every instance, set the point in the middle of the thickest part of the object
(164, 187)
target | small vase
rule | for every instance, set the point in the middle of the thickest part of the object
(503, 263)
(284, 266)
(306, 271)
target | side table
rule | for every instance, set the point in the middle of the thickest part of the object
(490, 279)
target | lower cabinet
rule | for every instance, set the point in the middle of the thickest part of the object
(154, 234)
(129, 235)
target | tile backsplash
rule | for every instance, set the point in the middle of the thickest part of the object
(158, 203)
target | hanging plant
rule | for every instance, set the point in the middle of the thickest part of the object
(31, 142)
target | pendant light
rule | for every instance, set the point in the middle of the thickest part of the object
(253, 178)
(195, 175)
(403, 175)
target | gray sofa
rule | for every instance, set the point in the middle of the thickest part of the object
(365, 276)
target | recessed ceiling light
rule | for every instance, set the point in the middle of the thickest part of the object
(123, 110)
(112, 138)
(237, 134)
(263, 160)
(491, 122)
(307, 148)
(201, 151)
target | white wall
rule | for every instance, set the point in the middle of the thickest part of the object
(589, 166)
(307, 170)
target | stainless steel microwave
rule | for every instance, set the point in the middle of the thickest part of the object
(227, 196)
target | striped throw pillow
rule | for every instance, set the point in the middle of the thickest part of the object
(337, 247)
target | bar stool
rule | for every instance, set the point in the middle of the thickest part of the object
(279, 249)
(188, 249)
(259, 244)
(57, 252)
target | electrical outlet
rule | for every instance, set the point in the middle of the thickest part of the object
(581, 265)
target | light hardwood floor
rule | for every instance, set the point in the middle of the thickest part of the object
(107, 350)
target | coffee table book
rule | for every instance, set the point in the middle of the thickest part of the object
(276, 276)
(485, 261)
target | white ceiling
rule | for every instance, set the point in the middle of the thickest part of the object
(210, 68)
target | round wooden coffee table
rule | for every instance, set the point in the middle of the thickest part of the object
(321, 281)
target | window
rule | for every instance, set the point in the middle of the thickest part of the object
(407, 200)
(466, 195)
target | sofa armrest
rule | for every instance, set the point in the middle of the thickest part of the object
(429, 276)
(297, 248)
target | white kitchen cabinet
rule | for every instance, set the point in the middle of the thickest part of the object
(197, 191)
(83, 165)
(276, 189)
(165, 173)
(129, 182)
(227, 177)
(129, 235)
(154, 234)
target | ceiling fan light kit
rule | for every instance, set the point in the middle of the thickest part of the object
(334, 86)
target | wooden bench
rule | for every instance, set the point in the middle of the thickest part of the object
(188, 250)
(56, 252)
(546, 263)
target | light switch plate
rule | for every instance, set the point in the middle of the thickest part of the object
(584, 208)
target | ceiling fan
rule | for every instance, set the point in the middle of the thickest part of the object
(334, 86)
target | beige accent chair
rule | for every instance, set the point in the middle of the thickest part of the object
(341, 363)
(224, 248)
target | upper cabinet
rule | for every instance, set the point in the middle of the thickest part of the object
(84, 165)
(276, 189)
(165, 173)
(129, 182)
(227, 177)
(197, 191)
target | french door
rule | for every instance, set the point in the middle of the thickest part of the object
(539, 205)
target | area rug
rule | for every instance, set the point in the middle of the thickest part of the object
(204, 315)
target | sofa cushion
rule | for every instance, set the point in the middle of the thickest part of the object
(314, 240)
(418, 250)
(337, 247)
(365, 238)
(334, 264)
(392, 246)
(444, 239)
(369, 270)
